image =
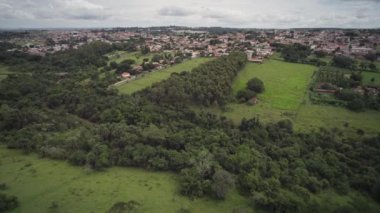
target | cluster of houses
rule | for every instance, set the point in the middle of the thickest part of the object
(195, 43)
(351, 43)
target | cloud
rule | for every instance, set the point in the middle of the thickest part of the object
(53, 9)
(174, 11)
(225, 13)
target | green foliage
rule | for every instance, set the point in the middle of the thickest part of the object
(245, 95)
(357, 104)
(125, 207)
(256, 85)
(8, 202)
(155, 129)
(295, 53)
(344, 62)
(210, 83)
(222, 183)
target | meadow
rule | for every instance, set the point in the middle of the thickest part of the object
(286, 97)
(41, 184)
(367, 76)
(3, 72)
(156, 76)
(45, 185)
(119, 56)
(285, 82)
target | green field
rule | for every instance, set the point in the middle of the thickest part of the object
(39, 182)
(367, 76)
(119, 56)
(285, 83)
(156, 76)
(286, 98)
(4, 71)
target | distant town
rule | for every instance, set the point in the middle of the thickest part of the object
(258, 44)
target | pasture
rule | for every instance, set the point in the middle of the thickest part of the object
(119, 56)
(286, 97)
(148, 79)
(40, 183)
(285, 83)
(368, 76)
(4, 71)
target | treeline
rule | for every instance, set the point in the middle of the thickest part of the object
(208, 84)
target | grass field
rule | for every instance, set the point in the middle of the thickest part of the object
(286, 98)
(4, 72)
(39, 182)
(119, 56)
(156, 76)
(367, 76)
(285, 83)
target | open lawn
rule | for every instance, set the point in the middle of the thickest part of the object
(39, 182)
(285, 83)
(367, 76)
(156, 76)
(119, 56)
(315, 116)
(286, 98)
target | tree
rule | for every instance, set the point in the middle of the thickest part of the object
(222, 183)
(256, 85)
(356, 104)
(344, 62)
(245, 95)
(372, 67)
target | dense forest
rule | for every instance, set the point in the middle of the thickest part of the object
(91, 125)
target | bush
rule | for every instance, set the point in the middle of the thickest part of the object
(356, 104)
(256, 85)
(124, 207)
(8, 202)
(245, 95)
(347, 95)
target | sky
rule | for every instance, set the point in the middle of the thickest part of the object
(191, 13)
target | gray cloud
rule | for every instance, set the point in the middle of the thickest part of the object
(228, 13)
(174, 11)
(53, 9)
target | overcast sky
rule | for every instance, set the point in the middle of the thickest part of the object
(225, 13)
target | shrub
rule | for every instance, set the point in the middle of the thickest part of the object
(8, 202)
(124, 207)
(256, 85)
(356, 104)
(245, 95)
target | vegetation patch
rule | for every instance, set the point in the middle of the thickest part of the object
(149, 79)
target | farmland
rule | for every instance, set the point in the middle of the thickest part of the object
(286, 98)
(40, 182)
(148, 79)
